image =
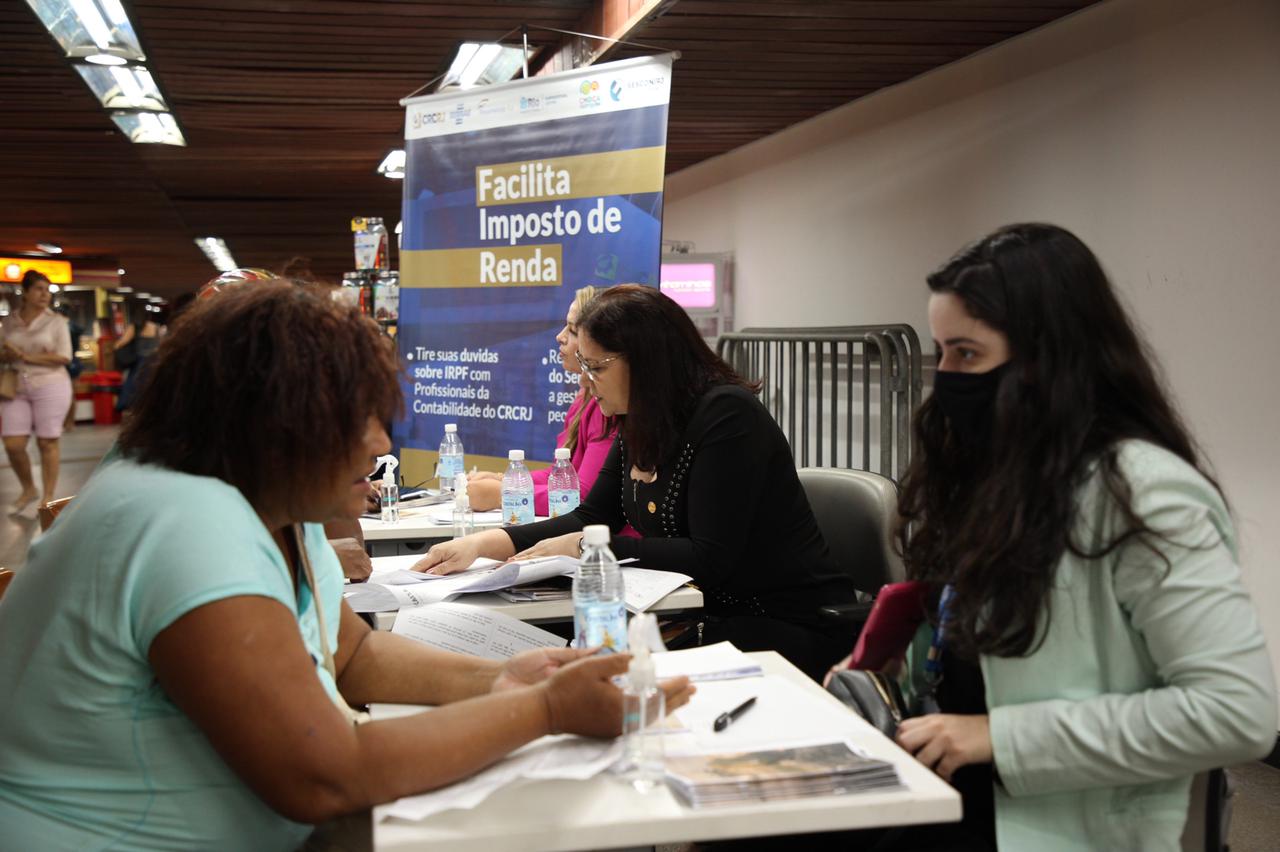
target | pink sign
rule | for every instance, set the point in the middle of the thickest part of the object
(691, 285)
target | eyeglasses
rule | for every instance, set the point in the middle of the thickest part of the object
(592, 371)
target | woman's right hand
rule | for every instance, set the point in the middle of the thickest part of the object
(482, 476)
(449, 557)
(484, 494)
(582, 698)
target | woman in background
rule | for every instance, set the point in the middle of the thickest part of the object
(37, 344)
(704, 475)
(587, 434)
(1098, 648)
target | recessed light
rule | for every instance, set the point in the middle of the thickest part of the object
(49, 248)
(120, 271)
(106, 59)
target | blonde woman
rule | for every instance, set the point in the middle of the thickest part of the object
(587, 433)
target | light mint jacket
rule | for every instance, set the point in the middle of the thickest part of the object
(1148, 674)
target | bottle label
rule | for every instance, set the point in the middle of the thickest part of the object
(602, 624)
(449, 467)
(562, 502)
(517, 509)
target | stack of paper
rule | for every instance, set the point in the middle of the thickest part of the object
(780, 773)
(393, 586)
(721, 661)
(472, 630)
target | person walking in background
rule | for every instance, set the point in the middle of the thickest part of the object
(133, 353)
(37, 345)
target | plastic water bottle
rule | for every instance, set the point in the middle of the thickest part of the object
(563, 493)
(451, 460)
(599, 611)
(643, 707)
(517, 491)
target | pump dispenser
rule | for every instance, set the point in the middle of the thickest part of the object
(464, 521)
(643, 706)
(390, 490)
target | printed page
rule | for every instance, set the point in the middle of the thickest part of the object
(721, 661)
(644, 587)
(472, 630)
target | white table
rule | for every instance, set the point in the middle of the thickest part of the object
(415, 532)
(606, 813)
(541, 612)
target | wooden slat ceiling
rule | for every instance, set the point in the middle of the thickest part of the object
(289, 105)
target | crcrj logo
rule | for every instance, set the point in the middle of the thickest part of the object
(615, 90)
(588, 92)
(426, 119)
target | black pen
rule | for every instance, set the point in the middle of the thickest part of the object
(723, 720)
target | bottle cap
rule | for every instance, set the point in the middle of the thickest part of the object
(450, 427)
(515, 455)
(595, 534)
(562, 454)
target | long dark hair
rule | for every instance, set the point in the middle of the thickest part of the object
(671, 366)
(1079, 380)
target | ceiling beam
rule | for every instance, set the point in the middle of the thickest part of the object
(615, 20)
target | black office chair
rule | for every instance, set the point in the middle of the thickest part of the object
(1209, 812)
(856, 511)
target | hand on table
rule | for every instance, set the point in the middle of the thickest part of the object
(944, 742)
(561, 545)
(484, 494)
(535, 666)
(483, 476)
(356, 565)
(582, 698)
(449, 557)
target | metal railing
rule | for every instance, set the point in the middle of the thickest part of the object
(843, 395)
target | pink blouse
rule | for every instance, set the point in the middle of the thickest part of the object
(47, 334)
(587, 457)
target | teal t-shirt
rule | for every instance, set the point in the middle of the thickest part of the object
(93, 754)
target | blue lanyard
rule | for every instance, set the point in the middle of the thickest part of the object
(933, 662)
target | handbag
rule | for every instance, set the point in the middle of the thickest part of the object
(8, 383)
(874, 696)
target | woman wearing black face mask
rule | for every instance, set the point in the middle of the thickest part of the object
(1099, 648)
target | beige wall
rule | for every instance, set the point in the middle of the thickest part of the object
(1151, 128)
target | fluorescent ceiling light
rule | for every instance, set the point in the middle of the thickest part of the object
(216, 250)
(49, 248)
(106, 59)
(123, 88)
(149, 128)
(124, 289)
(479, 64)
(392, 165)
(142, 295)
(85, 28)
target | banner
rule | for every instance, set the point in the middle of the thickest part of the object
(515, 196)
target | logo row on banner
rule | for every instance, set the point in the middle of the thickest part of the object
(629, 84)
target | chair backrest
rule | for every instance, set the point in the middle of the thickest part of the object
(856, 511)
(51, 510)
(1209, 812)
(6, 577)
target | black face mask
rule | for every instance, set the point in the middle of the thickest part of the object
(969, 402)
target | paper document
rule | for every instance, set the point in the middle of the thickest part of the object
(473, 630)
(644, 587)
(393, 589)
(721, 661)
(564, 756)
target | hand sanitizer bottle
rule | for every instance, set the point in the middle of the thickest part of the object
(464, 521)
(643, 710)
(390, 491)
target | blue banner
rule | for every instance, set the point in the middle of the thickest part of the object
(515, 196)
